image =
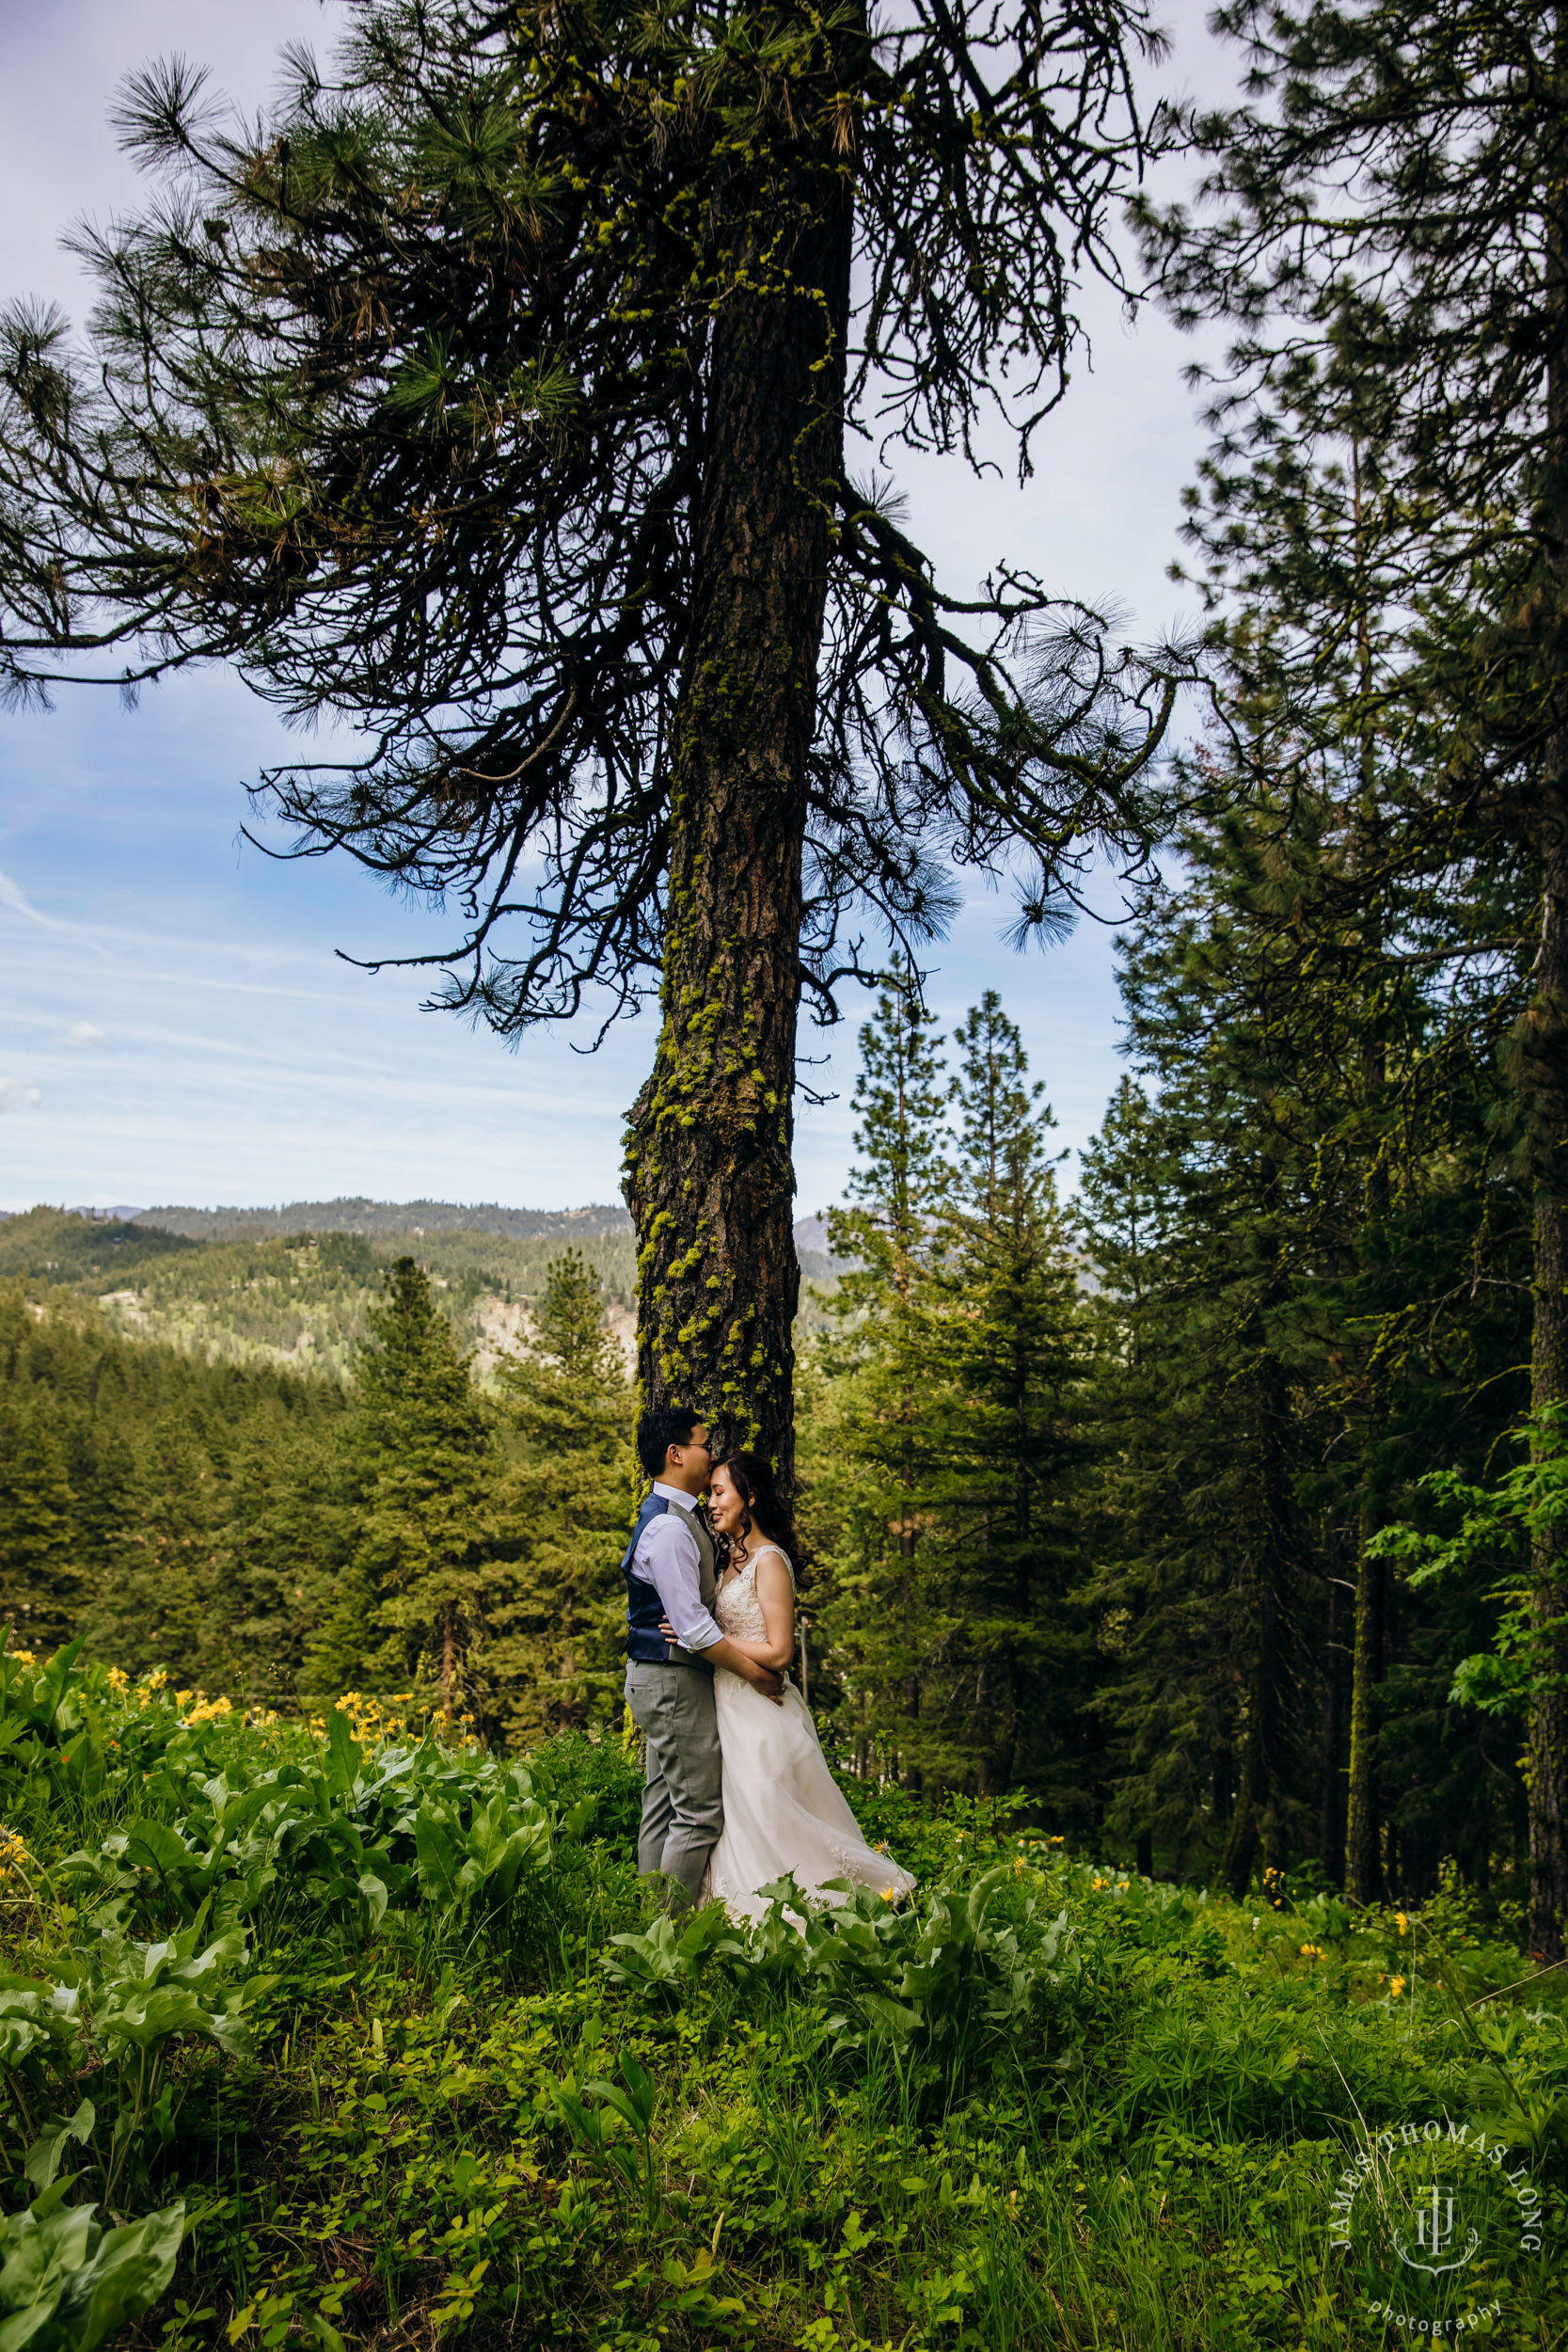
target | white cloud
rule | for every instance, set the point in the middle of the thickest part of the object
(13, 896)
(83, 1034)
(15, 1096)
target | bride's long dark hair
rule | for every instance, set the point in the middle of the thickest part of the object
(752, 1475)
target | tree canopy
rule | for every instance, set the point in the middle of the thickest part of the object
(517, 393)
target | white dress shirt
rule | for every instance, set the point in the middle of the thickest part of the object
(667, 1558)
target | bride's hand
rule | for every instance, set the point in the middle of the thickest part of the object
(668, 1630)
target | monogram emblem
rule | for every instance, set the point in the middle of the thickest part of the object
(1436, 2226)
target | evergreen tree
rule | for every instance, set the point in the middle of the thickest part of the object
(883, 1439)
(557, 1656)
(287, 1541)
(948, 1457)
(40, 1582)
(159, 1600)
(1390, 240)
(493, 392)
(420, 1456)
(1303, 1299)
(1011, 1359)
(1198, 1582)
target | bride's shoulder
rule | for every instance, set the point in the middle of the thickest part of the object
(775, 1551)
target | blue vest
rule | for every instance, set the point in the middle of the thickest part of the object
(644, 1642)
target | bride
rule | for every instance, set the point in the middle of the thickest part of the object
(784, 1811)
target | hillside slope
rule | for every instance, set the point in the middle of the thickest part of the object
(393, 1219)
(239, 1287)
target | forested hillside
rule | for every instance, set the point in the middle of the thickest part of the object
(392, 1220)
(270, 1533)
(300, 1298)
(251, 1288)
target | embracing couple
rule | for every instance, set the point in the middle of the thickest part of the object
(737, 1790)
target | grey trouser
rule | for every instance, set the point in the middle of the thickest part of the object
(683, 1805)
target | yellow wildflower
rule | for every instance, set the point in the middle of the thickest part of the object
(1401, 1921)
(1395, 1986)
(890, 1894)
(1311, 1951)
(209, 1710)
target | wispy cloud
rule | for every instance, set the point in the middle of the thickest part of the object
(13, 896)
(17, 1096)
(85, 1033)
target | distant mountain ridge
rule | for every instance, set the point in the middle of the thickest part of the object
(244, 1287)
(355, 1215)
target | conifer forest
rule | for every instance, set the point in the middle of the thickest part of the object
(1182, 1538)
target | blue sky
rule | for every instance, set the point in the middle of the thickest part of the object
(175, 1024)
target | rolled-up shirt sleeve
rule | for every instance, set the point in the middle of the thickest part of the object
(668, 1557)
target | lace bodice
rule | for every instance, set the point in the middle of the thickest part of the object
(737, 1608)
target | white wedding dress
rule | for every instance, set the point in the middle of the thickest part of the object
(784, 1811)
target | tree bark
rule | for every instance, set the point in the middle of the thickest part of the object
(709, 1176)
(1544, 1060)
(1258, 1813)
(1332, 1834)
(1363, 1854)
(1547, 1022)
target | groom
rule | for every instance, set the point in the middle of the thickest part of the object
(669, 1569)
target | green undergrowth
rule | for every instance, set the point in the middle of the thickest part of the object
(330, 2040)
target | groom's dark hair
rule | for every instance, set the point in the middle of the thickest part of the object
(657, 1431)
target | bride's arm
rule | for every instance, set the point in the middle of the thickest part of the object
(776, 1594)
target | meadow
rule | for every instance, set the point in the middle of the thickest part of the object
(336, 2032)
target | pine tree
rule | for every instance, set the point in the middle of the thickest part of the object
(1012, 1361)
(41, 1586)
(1392, 240)
(1302, 1298)
(882, 1441)
(421, 1460)
(494, 393)
(286, 1544)
(1198, 1585)
(159, 1597)
(557, 1659)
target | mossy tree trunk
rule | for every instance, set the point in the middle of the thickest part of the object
(709, 1175)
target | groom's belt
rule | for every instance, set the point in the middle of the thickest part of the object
(652, 1650)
